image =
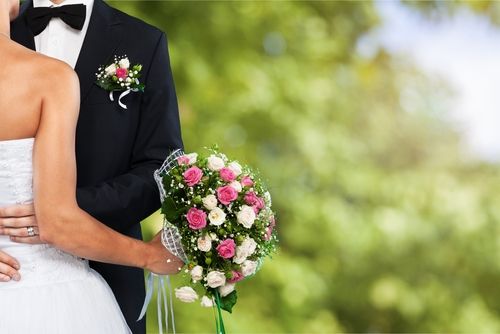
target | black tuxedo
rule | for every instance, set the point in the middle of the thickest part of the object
(117, 150)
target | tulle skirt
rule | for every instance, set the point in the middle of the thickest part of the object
(59, 294)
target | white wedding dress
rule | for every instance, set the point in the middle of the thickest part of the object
(58, 292)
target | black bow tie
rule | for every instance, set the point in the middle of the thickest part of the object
(39, 17)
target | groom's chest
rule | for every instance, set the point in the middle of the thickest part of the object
(106, 131)
(109, 114)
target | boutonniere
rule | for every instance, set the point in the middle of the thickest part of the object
(120, 76)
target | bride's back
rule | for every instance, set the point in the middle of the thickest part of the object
(25, 78)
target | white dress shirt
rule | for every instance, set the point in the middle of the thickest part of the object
(59, 40)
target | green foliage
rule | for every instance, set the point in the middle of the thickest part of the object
(227, 302)
(385, 225)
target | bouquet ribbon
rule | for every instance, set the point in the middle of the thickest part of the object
(161, 298)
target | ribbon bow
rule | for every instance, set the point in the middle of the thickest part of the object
(122, 95)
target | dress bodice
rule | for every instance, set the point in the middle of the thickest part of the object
(39, 263)
(16, 171)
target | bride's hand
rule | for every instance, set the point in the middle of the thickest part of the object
(8, 268)
(161, 261)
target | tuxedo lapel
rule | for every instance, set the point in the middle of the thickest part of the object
(20, 32)
(103, 36)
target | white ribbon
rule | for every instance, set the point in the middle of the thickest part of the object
(122, 95)
(161, 294)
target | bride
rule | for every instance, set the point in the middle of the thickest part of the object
(58, 292)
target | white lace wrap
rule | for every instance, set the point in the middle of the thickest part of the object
(170, 238)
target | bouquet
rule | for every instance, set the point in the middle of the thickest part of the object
(218, 220)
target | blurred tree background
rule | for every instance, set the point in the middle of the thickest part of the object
(385, 224)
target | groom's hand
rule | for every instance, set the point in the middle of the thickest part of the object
(19, 223)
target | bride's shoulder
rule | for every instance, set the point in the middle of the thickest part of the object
(56, 73)
(54, 77)
(50, 67)
(42, 71)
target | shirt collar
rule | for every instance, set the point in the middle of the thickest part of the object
(48, 3)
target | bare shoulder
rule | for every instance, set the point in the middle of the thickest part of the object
(58, 84)
(46, 75)
(56, 76)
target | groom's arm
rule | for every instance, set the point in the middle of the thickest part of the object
(131, 197)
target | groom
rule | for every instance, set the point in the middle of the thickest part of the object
(117, 149)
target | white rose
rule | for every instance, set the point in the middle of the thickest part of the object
(204, 243)
(216, 279)
(215, 163)
(197, 273)
(217, 217)
(248, 246)
(210, 202)
(111, 70)
(124, 63)
(226, 289)
(248, 268)
(186, 294)
(235, 167)
(244, 250)
(246, 216)
(236, 186)
(193, 157)
(206, 302)
(240, 256)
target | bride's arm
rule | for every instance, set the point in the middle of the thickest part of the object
(61, 222)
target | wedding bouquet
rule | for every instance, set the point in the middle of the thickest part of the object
(218, 220)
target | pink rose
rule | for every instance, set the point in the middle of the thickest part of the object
(196, 218)
(192, 176)
(246, 181)
(237, 276)
(183, 160)
(254, 201)
(226, 194)
(226, 248)
(227, 175)
(121, 73)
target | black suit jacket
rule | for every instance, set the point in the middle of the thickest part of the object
(117, 150)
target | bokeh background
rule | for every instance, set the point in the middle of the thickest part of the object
(376, 127)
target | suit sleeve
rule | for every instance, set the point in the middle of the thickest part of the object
(129, 198)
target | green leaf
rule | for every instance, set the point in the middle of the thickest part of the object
(166, 180)
(227, 303)
(169, 209)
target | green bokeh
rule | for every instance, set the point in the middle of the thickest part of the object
(385, 225)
